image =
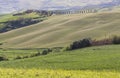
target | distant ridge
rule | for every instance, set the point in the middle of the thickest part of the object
(12, 6)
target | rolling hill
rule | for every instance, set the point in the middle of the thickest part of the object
(61, 30)
(93, 62)
(93, 58)
(35, 43)
(12, 21)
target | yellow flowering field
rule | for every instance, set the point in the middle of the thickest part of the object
(38, 73)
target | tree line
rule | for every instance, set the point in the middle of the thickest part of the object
(88, 42)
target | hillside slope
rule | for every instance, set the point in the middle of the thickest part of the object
(10, 22)
(61, 30)
(93, 58)
(93, 62)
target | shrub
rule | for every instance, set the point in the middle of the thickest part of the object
(57, 49)
(18, 57)
(80, 44)
(65, 49)
(1, 43)
(85, 43)
(3, 58)
(49, 50)
(75, 45)
(45, 52)
(25, 57)
(116, 40)
(38, 54)
(32, 55)
(102, 42)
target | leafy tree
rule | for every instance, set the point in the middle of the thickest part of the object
(116, 40)
(80, 44)
(45, 52)
(3, 58)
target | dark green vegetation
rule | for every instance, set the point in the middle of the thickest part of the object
(87, 42)
(14, 54)
(13, 21)
(2, 58)
(116, 40)
(80, 44)
(94, 58)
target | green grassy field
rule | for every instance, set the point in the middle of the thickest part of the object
(13, 53)
(93, 62)
(94, 58)
(10, 17)
(61, 30)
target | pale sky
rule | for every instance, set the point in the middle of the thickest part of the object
(49, 3)
(11, 5)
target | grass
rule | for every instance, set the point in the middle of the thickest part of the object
(93, 62)
(13, 53)
(61, 30)
(94, 58)
(10, 17)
